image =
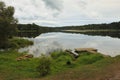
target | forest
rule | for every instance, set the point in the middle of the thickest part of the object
(33, 30)
(40, 29)
(110, 26)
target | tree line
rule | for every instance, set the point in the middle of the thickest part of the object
(32, 30)
(110, 26)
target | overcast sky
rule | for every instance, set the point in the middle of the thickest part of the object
(66, 12)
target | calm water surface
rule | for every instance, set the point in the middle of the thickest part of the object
(48, 42)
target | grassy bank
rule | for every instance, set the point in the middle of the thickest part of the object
(16, 43)
(62, 66)
(88, 67)
(10, 69)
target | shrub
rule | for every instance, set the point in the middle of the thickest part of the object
(44, 66)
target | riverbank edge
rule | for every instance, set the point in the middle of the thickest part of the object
(62, 63)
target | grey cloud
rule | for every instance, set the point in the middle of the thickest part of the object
(82, 4)
(20, 9)
(54, 4)
(35, 3)
(74, 12)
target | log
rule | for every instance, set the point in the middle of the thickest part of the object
(91, 50)
(73, 53)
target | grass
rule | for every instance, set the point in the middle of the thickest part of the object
(10, 69)
(19, 42)
(62, 61)
(89, 58)
(59, 61)
(63, 67)
(103, 69)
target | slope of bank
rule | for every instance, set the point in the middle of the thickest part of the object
(63, 66)
(106, 69)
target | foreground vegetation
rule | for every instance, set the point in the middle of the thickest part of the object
(105, 69)
(16, 43)
(59, 65)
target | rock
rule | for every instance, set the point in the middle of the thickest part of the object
(27, 56)
(76, 52)
(91, 50)
(18, 59)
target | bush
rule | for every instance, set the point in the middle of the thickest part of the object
(44, 66)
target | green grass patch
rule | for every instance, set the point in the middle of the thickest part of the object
(11, 69)
(19, 43)
(89, 58)
(62, 61)
(58, 62)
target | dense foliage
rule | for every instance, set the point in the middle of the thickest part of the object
(7, 24)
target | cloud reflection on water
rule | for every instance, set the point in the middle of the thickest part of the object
(48, 42)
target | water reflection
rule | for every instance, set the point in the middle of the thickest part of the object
(115, 34)
(48, 42)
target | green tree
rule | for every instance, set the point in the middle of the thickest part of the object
(7, 24)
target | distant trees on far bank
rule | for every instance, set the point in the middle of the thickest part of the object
(32, 30)
(111, 26)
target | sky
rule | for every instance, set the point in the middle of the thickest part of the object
(65, 12)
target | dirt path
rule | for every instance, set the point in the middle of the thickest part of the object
(116, 77)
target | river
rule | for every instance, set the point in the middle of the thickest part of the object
(49, 42)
